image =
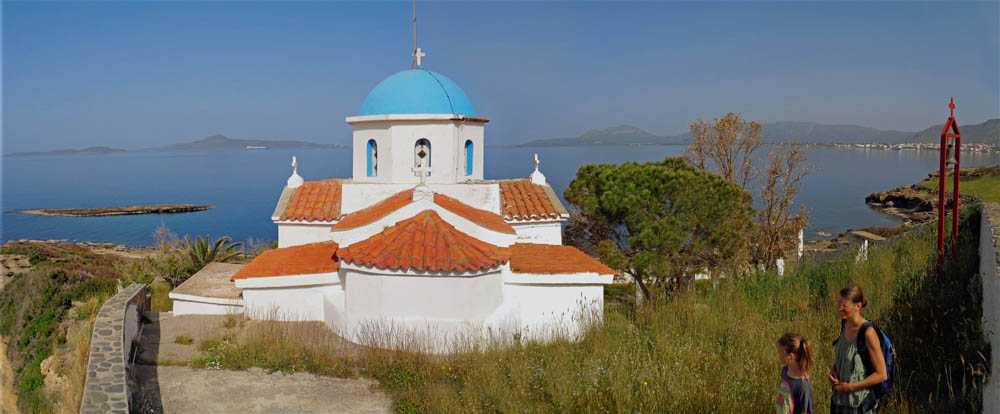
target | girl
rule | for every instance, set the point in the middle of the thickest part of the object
(794, 391)
(850, 385)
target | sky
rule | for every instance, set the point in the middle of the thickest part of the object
(143, 74)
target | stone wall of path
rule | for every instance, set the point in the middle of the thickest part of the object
(117, 324)
(989, 270)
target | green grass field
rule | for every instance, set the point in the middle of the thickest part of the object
(707, 350)
(987, 188)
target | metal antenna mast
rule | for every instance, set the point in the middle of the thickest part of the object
(414, 64)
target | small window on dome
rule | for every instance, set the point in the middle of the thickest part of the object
(372, 157)
(469, 154)
(422, 154)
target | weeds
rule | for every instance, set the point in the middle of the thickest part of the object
(703, 350)
(183, 340)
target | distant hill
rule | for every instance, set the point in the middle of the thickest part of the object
(811, 132)
(617, 135)
(986, 133)
(222, 142)
(777, 132)
(85, 151)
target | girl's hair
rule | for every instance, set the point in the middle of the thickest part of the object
(795, 344)
(853, 293)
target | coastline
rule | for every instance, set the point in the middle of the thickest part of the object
(117, 211)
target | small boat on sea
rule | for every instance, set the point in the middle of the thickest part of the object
(256, 147)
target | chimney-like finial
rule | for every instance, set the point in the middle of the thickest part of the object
(295, 180)
(537, 177)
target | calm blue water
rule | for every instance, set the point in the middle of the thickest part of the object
(244, 186)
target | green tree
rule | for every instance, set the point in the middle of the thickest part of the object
(660, 222)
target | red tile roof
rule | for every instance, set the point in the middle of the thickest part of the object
(399, 200)
(481, 217)
(550, 259)
(523, 200)
(375, 211)
(315, 201)
(424, 242)
(296, 260)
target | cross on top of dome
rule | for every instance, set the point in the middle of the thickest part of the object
(417, 54)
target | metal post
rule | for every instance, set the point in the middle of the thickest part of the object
(941, 202)
(954, 203)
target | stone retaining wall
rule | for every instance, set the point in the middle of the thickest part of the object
(114, 329)
(989, 267)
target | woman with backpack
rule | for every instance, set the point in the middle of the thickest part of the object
(852, 383)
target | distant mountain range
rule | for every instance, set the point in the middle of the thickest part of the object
(987, 132)
(85, 151)
(618, 135)
(212, 143)
(222, 142)
(777, 132)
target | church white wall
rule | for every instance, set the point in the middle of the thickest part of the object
(357, 196)
(544, 232)
(440, 304)
(552, 310)
(296, 234)
(396, 139)
(295, 298)
(195, 305)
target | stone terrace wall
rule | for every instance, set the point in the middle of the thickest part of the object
(989, 266)
(116, 326)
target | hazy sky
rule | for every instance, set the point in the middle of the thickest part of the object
(134, 75)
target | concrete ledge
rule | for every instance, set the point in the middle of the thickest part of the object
(989, 271)
(117, 324)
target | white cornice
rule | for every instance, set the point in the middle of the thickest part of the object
(415, 117)
(388, 272)
(331, 278)
(205, 299)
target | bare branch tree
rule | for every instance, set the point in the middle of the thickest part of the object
(777, 228)
(725, 147)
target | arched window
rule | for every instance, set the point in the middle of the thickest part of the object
(422, 154)
(372, 157)
(469, 146)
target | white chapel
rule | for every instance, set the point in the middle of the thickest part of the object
(416, 239)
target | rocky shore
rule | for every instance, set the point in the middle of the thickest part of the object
(117, 211)
(914, 203)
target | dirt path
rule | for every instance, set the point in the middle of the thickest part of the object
(179, 389)
(188, 390)
(8, 399)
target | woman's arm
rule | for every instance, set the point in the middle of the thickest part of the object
(878, 360)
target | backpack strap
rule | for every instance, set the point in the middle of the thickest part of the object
(866, 359)
(842, 324)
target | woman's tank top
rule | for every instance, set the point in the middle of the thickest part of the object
(849, 369)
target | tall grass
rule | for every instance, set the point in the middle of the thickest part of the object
(709, 350)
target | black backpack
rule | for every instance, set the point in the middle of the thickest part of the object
(888, 353)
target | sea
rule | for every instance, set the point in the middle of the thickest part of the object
(244, 186)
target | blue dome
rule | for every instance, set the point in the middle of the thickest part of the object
(416, 91)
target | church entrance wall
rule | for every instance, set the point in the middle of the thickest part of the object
(299, 303)
(415, 303)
